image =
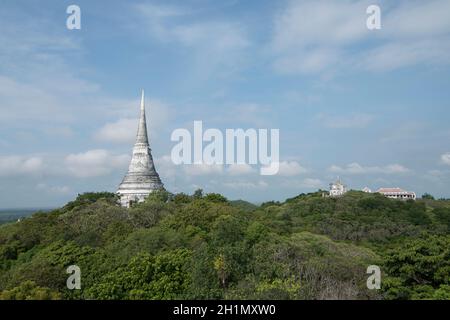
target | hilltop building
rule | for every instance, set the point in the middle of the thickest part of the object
(337, 188)
(397, 193)
(142, 178)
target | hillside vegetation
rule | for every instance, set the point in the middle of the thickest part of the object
(206, 247)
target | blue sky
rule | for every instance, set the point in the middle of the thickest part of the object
(369, 106)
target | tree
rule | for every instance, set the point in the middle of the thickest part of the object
(222, 268)
(442, 215)
(427, 196)
(198, 194)
(206, 247)
(417, 268)
(163, 276)
(215, 197)
(158, 196)
(28, 290)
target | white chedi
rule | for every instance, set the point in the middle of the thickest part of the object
(141, 178)
(337, 188)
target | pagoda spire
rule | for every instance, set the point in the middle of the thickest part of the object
(142, 136)
(141, 178)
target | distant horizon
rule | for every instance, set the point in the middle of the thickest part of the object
(2, 210)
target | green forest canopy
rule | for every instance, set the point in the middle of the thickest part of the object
(178, 246)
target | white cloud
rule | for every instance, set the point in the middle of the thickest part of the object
(395, 168)
(412, 19)
(239, 169)
(161, 11)
(307, 183)
(356, 168)
(325, 36)
(214, 44)
(399, 54)
(21, 101)
(123, 130)
(246, 184)
(309, 23)
(287, 168)
(20, 165)
(54, 189)
(445, 158)
(94, 163)
(312, 61)
(290, 168)
(312, 183)
(309, 35)
(202, 169)
(165, 167)
(250, 114)
(31, 102)
(220, 35)
(91, 163)
(36, 79)
(40, 86)
(217, 35)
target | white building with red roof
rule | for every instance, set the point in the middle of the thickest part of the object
(397, 193)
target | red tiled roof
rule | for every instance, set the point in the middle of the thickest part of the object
(386, 190)
(393, 190)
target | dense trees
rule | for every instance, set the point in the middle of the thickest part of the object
(419, 269)
(29, 291)
(163, 276)
(207, 247)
